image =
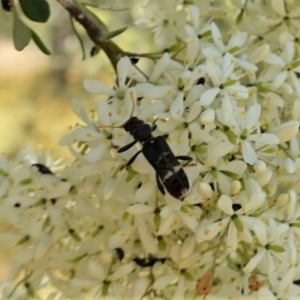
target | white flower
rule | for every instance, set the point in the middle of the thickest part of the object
(238, 221)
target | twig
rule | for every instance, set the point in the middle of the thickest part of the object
(113, 52)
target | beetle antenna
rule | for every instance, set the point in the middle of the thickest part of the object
(131, 95)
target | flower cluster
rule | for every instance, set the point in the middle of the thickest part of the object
(229, 99)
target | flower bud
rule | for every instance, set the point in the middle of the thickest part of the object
(289, 165)
(235, 187)
(205, 190)
(259, 166)
(205, 284)
(207, 116)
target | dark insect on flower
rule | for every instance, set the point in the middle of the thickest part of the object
(169, 173)
(148, 262)
(201, 81)
(119, 253)
(42, 168)
(6, 5)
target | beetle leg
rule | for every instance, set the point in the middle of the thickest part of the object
(132, 159)
(186, 158)
(153, 127)
(123, 149)
(159, 185)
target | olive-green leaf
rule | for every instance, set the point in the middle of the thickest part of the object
(115, 33)
(78, 37)
(21, 34)
(40, 43)
(36, 10)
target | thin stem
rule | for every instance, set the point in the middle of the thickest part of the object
(113, 52)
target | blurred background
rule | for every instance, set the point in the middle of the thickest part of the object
(36, 90)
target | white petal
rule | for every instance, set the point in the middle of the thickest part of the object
(87, 134)
(213, 72)
(144, 192)
(159, 67)
(279, 81)
(194, 111)
(287, 131)
(232, 240)
(119, 238)
(147, 239)
(177, 107)
(96, 153)
(207, 116)
(217, 36)
(80, 111)
(209, 232)
(249, 155)
(96, 87)
(166, 225)
(139, 288)
(60, 190)
(225, 204)
(278, 6)
(227, 66)
(139, 209)
(159, 91)
(254, 261)
(180, 289)
(122, 271)
(255, 202)
(264, 178)
(253, 115)
(123, 68)
(209, 96)
(194, 14)
(259, 54)
(163, 281)
(188, 246)
(257, 226)
(265, 294)
(274, 60)
(264, 139)
(227, 108)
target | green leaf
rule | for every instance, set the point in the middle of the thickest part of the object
(93, 17)
(237, 223)
(74, 235)
(30, 289)
(21, 34)
(175, 47)
(78, 37)
(3, 173)
(231, 136)
(23, 240)
(105, 7)
(239, 18)
(36, 10)
(162, 246)
(40, 43)
(105, 288)
(181, 126)
(130, 175)
(275, 248)
(199, 149)
(157, 220)
(184, 209)
(188, 276)
(115, 33)
(25, 181)
(79, 258)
